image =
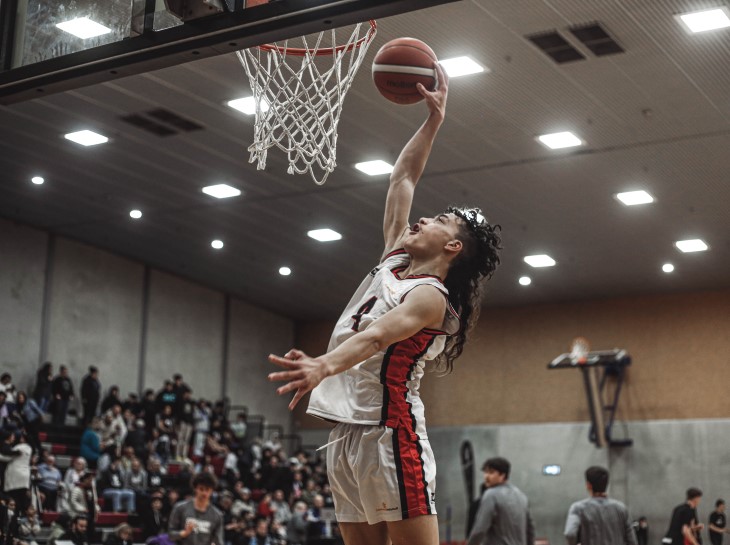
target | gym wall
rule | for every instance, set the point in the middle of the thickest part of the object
(677, 342)
(73, 304)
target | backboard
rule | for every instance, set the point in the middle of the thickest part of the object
(47, 47)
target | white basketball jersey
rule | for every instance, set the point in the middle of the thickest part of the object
(383, 390)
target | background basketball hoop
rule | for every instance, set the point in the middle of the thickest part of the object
(298, 93)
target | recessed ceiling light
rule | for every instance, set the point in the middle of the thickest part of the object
(324, 235)
(461, 66)
(247, 105)
(668, 267)
(217, 244)
(221, 191)
(374, 168)
(135, 214)
(560, 140)
(83, 27)
(541, 260)
(37, 180)
(632, 198)
(284, 271)
(693, 245)
(525, 280)
(86, 138)
(702, 21)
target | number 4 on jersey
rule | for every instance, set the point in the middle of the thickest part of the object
(366, 307)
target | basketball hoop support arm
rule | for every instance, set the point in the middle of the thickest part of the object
(613, 363)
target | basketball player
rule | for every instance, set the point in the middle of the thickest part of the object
(406, 311)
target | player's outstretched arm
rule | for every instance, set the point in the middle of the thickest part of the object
(411, 162)
(424, 307)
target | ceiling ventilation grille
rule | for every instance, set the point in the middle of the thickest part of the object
(555, 46)
(596, 39)
(593, 36)
(161, 122)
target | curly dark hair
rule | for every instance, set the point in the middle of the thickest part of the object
(477, 261)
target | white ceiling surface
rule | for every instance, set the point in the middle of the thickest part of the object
(656, 117)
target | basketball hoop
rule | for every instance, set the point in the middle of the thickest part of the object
(298, 94)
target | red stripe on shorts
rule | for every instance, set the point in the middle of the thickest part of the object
(411, 474)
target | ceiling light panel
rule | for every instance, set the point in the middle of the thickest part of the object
(247, 105)
(702, 21)
(324, 235)
(221, 191)
(461, 66)
(632, 198)
(692, 245)
(86, 138)
(560, 140)
(374, 168)
(540, 260)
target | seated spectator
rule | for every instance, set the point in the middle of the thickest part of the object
(282, 511)
(149, 410)
(81, 501)
(155, 473)
(296, 528)
(137, 440)
(154, 520)
(126, 458)
(50, 479)
(122, 535)
(72, 476)
(239, 428)
(111, 399)
(9, 523)
(77, 532)
(242, 501)
(136, 479)
(59, 527)
(111, 483)
(166, 430)
(262, 535)
(6, 385)
(316, 526)
(29, 526)
(230, 525)
(114, 429)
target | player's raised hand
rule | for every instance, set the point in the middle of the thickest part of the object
(302, 374)
(436, 99)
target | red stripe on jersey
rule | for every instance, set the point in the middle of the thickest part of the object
(394, 375)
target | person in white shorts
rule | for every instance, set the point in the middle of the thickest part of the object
(415, 306)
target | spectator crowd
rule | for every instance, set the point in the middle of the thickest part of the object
(138, 455)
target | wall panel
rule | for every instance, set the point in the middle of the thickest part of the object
(22, 280)
(185, 335)
(254, 334)
(95, 314)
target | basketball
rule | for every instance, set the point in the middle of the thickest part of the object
(399, 65)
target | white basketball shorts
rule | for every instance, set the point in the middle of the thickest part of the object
(380, 474)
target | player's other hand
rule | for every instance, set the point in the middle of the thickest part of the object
(302, 374)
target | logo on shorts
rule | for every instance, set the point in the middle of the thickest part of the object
(433, 497)
(386, 508)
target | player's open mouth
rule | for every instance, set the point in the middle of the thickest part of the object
(415, 229)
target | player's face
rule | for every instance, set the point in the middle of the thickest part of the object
(492, 477)
(432, 234)
(202, 493)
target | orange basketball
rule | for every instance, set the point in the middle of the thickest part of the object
(399, 65)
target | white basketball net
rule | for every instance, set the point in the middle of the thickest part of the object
(299, 98)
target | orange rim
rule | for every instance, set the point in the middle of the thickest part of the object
(302, 51)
